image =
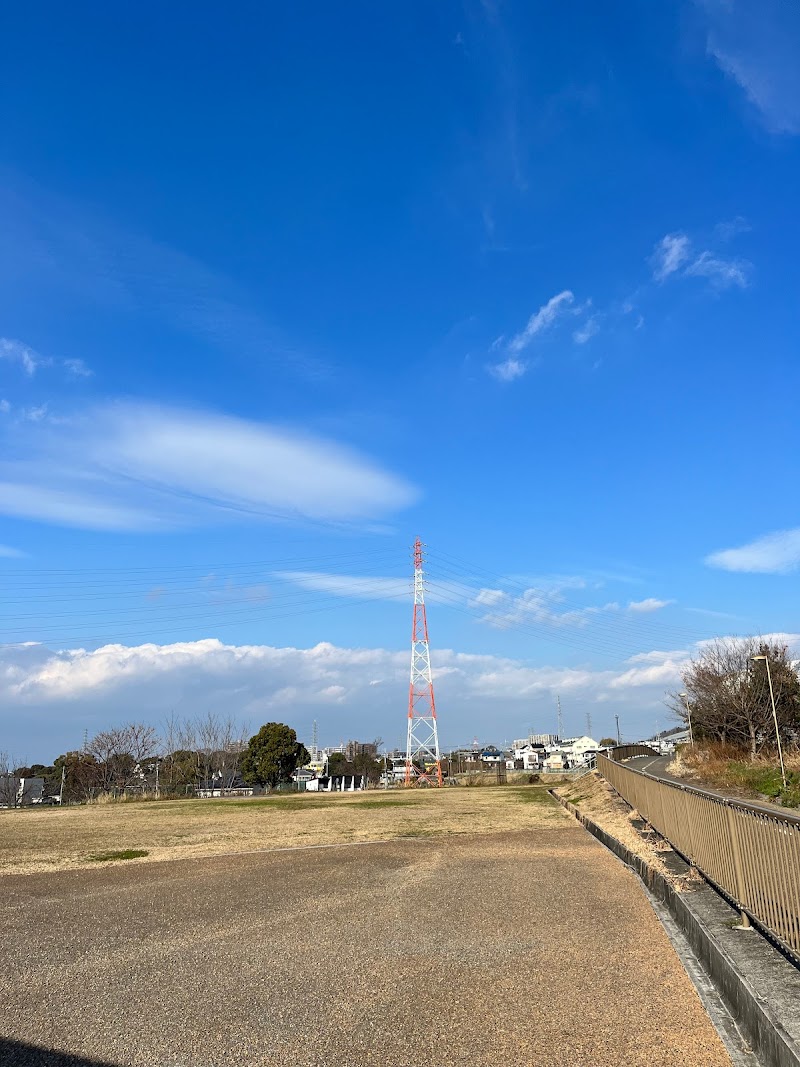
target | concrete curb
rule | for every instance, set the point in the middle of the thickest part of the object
(762, 1000)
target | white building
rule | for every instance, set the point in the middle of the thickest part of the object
(578, 751)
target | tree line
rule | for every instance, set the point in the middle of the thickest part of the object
(205, 752)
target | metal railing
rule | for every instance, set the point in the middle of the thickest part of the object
(620, 752)
(749, 852)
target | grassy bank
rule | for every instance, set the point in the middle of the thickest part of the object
(729, 770)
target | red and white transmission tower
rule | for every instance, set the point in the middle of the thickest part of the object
(423, 737)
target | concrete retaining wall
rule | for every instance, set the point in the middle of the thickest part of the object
(759, 986)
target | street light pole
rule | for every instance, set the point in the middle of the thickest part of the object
(689, 714)
(774, 717)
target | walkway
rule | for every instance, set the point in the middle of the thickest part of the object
(520, 948)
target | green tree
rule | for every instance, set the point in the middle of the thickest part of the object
(608, 742)
(272, 755)
(337, 763)
(365, 763)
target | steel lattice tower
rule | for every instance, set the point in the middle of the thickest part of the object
(423, 736)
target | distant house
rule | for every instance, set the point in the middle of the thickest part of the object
(337, 783)
(578, 751)
(17, 792)
(304, 775)
(528, 756)
(491, 756)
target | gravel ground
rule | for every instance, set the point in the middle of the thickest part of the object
(526, 947)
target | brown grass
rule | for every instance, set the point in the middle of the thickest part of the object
(735, 772)
(593, 797)
(53, 839)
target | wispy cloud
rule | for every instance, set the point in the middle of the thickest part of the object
(649, 604)
(350, 586)
(731, 228)
(674, 255)
(756, 43)
(17, 352)
(77, 368)
(775, 553)
(669, 255)
(722, 273)
(587, 331)
(59, 247)
(7, 552)
(5, 406)
(545, 604)
(540, 320)
(513, 366)
(509, 370)
(137, 466)
(30, 360)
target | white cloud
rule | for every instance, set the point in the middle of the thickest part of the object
(35, 414)
(775, 553)
(349, 586)
(138, 466)
(674, 255)
(509, 370)
(78, 368)
(540, 320)
(586, 332)
(647, 605)
(669, 255)
(535, 605)
(65, 508)
(17, 352)
(756, 43)
(357, 587)
(7, 552)
(726, 231)
(5, 407)
(489, 597)
(722, 273)
(512, 367)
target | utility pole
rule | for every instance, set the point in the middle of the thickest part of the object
(315, 742)
(63, 777)
(422, 740)
(588, 724)
(619, 742)
(560, 718)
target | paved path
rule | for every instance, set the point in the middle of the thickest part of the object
(657, 767)
(536, 947)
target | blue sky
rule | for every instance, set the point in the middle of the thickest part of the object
(282, 289)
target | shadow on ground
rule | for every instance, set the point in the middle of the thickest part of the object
(20, 1054)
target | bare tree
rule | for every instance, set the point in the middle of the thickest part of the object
(728, 691)
(119, 754)
(9, 782)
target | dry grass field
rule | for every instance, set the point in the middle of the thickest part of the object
(49, 839)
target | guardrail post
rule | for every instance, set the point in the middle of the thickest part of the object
(738, 870)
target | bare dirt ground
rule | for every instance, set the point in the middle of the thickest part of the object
(521, 947)
(47, 839)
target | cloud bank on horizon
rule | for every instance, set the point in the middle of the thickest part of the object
(349, 690)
